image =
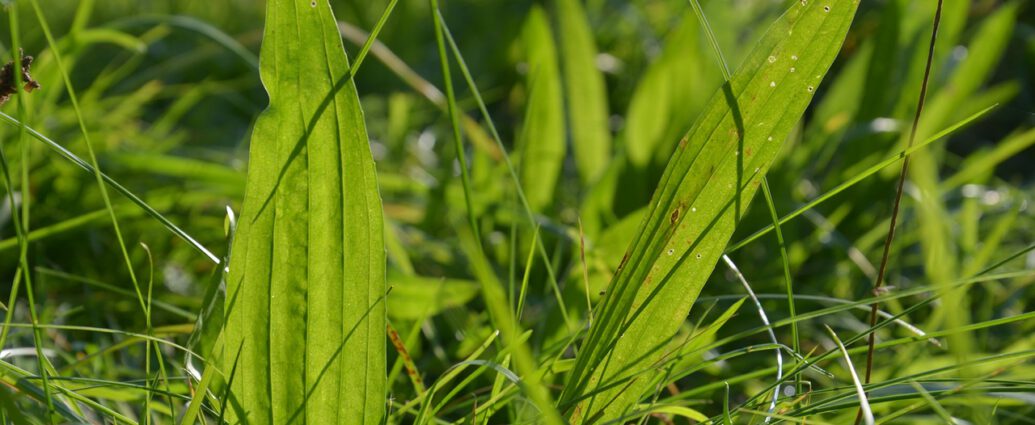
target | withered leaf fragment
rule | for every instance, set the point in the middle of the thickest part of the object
(8, 79)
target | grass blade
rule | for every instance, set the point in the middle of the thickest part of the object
(864, 405)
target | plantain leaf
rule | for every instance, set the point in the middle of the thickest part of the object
(306, 285)
(705, 189)
(584, 91)
(665, 100)
(541, 140)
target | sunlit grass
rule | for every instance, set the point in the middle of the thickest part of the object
(516, 158)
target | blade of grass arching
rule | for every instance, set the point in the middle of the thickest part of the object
(859, 177)
(585, 92)
(308, 265)
(490, 407)
(540, 139)
(452, 373)
(511, 170)
(716, 167)
(88, 167)
(786, 262)
(864, 404)
(482, 367)
(772, 335)
(726, 405)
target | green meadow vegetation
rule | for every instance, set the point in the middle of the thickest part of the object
(516, 212)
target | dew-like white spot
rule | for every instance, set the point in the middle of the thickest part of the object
(804, 2)
(736, 153)
(770, 138)
(792, 69)
(772, 84)
(772, 59)
(794, 57)
(959, 53)
(884, 125)
(693, 209)
(757, 169)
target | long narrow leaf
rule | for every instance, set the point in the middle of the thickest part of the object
(704, 191)
(305, 291)
(584, 89)
(541, 139)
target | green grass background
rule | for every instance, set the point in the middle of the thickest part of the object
(169, 104)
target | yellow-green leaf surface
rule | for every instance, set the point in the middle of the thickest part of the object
(305, 291)
(705, 189)
(584, 91)
(541, 139)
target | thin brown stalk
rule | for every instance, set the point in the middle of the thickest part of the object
(898, 200)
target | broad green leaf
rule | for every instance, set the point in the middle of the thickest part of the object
(541, 140)
(705, 189)
(306, 285)
(584, 90)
